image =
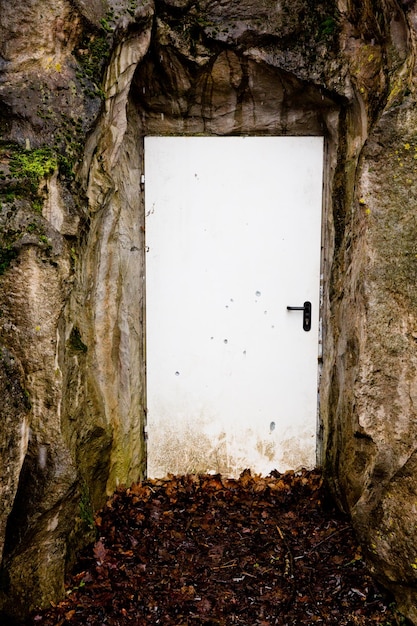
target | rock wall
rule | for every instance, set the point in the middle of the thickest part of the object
(81, 84)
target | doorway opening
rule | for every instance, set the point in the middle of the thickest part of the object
(232, 98)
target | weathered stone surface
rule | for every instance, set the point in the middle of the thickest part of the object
(70, 421)
(89, 80)
(14, 433)
(375, 468)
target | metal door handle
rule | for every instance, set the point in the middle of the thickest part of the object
(306, 314)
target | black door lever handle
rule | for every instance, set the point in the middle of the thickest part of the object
(306, 314)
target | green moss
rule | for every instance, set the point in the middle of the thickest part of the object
(98, 52)
(93, 52)
(33, 165)
(86, 509)
(105, 24)
(7, 254)
(27, 168)
(23, 193)
(37, 206)
(327, 28)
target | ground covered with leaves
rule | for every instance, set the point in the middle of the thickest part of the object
(208, 550)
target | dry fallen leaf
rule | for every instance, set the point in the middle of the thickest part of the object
(206, 551)
(100, 552)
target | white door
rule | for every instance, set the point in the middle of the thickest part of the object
(233, 230)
